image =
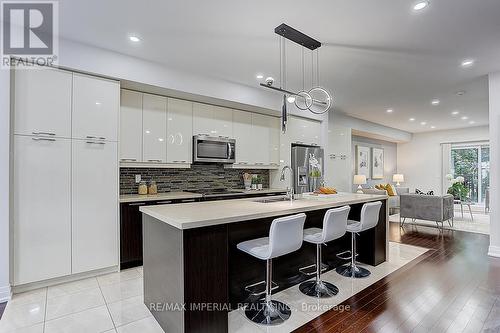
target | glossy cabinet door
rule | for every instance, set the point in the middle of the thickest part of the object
(179, 131)
(203, 120)
(42, 99)
(304, 131)
(154, 128)
(94, 205)
(274, 141)
(131, 126)
(42, 208)
(242, 129)
(223, 122)
(96, 104)
(261, 137)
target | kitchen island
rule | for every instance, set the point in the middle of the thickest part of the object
(194, 274)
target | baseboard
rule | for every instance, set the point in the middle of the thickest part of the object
(494, 251)
(5, 294)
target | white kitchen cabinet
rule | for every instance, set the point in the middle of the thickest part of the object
(42, 208)
(42, 99)
(96, 103)
(154, 128)
(338, 159)
(261, 137)
(131, 126)
(179, 131)
(304, 131)
(242, 129)
(212, 120)
(274, 141)
(223, 121)
(203, 120)
(94, 205)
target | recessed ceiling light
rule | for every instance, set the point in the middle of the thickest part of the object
(411, 119)
(433, 127)
(467, 62)
(464, 118)
(455, 112)
(460, 93)
(389, 110)
(260, 76)
(435, 102)
(423, 123)
(472, 122)
(134, 39)
(420, 5)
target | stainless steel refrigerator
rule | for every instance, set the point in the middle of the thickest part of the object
(308, 168)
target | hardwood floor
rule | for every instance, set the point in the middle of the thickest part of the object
(455, 287)
(2, 308)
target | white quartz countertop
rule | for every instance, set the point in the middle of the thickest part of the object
(203, 214)
(158, 197)
(124, 198)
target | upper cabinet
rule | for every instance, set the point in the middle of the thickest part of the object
(42, 99)
(242, 129)
(96, 104)
(131, 126)
(304, 131)
(154, 128)
(212, 120)
(179, 131)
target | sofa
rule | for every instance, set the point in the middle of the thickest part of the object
(427, 207)
(393, 201)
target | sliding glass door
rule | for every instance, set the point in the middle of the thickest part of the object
(473, 163)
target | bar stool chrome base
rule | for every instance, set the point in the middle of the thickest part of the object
(268, 312)
(353, 271)
(319, 289)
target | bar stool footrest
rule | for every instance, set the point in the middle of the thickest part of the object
(311, 269)
(346, 255)
(255, 289)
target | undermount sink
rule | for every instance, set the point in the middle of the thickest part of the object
(269, 200)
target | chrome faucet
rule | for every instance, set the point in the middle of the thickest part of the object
(289, 190)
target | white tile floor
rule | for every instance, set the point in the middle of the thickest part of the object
(114, 302)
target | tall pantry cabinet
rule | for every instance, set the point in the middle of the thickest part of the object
(65, 174)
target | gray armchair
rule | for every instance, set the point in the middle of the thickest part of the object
(427, 207)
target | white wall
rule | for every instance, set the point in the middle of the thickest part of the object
(4, 183)
(494, 88)
(390, 158)
(420, 160)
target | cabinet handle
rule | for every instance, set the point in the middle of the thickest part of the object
(44, 133)
(95, 142)
(137, 204)
(242, 163)
(274, 163)
(188, 200)
(259, 163)
(128, 159)
(43, 139)
(164, 202)
(156, 161)
(95, 137)
(180, 161)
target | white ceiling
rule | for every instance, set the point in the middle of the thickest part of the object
(376, 54)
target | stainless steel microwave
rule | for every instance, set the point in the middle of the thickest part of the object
(208, 149)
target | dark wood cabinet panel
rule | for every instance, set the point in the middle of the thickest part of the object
(130, 235)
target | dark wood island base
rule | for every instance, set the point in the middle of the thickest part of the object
(194, 277)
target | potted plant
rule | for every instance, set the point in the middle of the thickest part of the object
(259, 182)
(254, 182)
(458, 189)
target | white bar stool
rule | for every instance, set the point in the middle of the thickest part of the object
(285, 236)
(369, 219)
(334, 227)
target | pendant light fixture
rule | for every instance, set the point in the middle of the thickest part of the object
(316, 99)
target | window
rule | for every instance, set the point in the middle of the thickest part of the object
(473, 163)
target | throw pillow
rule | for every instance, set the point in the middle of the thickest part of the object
(417, 191)
(380, 187)
(430, 193)
(391, 191)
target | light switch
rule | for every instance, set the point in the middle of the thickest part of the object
(137, 179)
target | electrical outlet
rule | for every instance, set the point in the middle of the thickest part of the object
(137, 179)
